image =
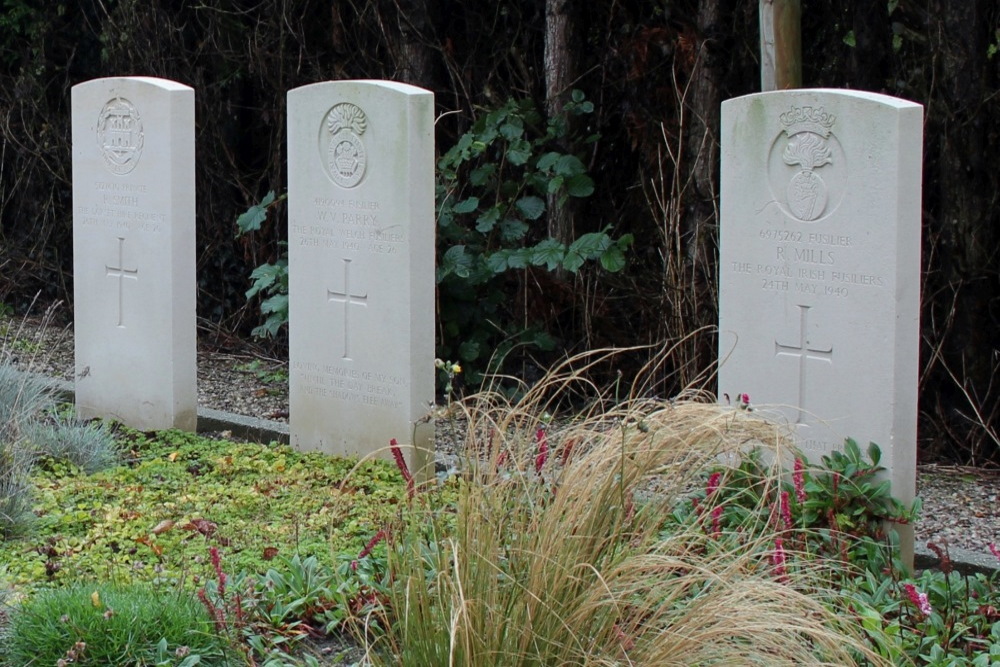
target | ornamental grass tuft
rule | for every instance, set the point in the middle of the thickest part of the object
(560, 553)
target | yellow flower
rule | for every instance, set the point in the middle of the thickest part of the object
(456, 369)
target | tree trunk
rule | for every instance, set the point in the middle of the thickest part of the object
(561, 49)
(780, 44)
(417, 57)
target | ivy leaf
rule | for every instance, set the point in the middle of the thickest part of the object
(530, 207)
(579, 185)
(254, 217)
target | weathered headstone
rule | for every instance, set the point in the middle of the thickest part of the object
(134, 251)
(361, 267)
(820, 267)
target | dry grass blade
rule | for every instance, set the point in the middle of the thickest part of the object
(559, 555)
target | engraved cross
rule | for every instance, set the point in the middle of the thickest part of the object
(804, 352)
(121, 273)
(348, 299)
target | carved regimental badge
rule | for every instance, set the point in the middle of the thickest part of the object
(119, 135)
(341, 148)
(807, 167)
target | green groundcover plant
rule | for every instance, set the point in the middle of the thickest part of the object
(634, 532)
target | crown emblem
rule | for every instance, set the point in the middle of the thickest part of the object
(807, 119)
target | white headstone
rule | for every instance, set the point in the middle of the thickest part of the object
(134, 251)
(361, 267)
(820, 267)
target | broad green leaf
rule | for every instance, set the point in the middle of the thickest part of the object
(579, 185)
(519, 153)
(486, 221)
(275, 304)
(573, 261)
(254, 217)
(519, 259)
(512, 129)
(530, 207)
(481, 174)
(513, 230)
(613, 259)
(469, 350)
(547, 161)
(569, 165)
(591, 245)
(548, 252)
(497, 262)
(467, 205)
(455, 260)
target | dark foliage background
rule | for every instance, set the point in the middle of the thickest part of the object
(656, 71)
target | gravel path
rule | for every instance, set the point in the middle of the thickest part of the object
(960, 504)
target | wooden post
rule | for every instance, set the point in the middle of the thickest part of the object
(780, 44)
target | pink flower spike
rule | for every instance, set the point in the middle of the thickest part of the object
(397, 454)
(543, 449)
(713, 483)
(786, 510)
(798, 479)
(994, 550)
(745, 399)
(918, 599)
(717, 520)
(213, 552)
(778, 559)
(379, 536)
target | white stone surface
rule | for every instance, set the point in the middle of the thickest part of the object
(361, 267)
(134, 251)
(820, 267)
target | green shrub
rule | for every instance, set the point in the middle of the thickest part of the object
(134, 626)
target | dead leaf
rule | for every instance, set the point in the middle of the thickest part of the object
(162, 527)
(270, 553)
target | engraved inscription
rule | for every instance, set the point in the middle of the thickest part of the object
(362, 387)
(119, 136)
(804, 352)
(341, 148)
(122, 274)
(119, 207)
(348, 299)
(350, 224)
(808, 264)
